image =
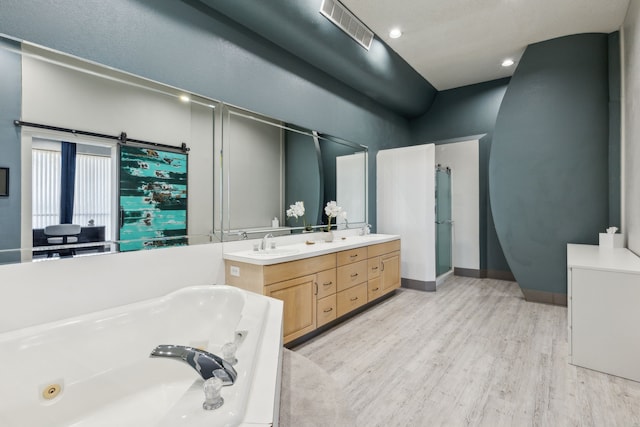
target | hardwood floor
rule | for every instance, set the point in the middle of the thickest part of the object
(472, 353)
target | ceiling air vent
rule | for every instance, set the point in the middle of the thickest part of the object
(347, 22)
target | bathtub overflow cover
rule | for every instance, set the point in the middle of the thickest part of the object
(51, 391)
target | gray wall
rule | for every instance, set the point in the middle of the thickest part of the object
(455, 114)
(10, 101)
(548, 171)
(614, 130)
(175, 43)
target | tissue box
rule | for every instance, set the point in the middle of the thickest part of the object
(608, 240)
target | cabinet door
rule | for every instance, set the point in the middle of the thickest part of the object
(299, 296)
(390, 271)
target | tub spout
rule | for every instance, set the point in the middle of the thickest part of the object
(207, 364)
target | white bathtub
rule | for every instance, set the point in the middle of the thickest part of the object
(101, 362)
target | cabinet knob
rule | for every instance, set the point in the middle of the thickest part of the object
(374, 268)
(354, 275)
(353, 299)
(328, 310)
(316, 292)
(353, 256)
(328, 283)
(375, 289)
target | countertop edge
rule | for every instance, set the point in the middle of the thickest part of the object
(326, 248)
(594, 257)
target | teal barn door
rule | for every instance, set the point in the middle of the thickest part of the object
(153, 198)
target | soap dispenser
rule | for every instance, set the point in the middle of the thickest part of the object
(275, 223)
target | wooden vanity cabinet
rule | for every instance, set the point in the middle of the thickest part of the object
(320, 289)
(299, 304)
(326, 308)
(390, 271)
(383, 269)
(297, 283)
(352, 279)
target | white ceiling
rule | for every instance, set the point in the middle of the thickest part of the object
(454, 43)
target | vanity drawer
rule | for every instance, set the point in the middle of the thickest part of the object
(327, 283)
(326, 311)
(374, 289)
(351, 256)
(352, 274)
(292, 269)
(373, 268)
(384, 248)
(351, 298)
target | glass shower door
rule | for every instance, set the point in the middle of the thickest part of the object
(444, 224)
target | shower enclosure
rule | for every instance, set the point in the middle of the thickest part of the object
(444, 224)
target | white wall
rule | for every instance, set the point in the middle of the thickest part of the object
(253, 172)
(45, 291)
(463, 159)
(351, 187)
(405, 206)
(631, 126)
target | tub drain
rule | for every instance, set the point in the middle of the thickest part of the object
(51, 391)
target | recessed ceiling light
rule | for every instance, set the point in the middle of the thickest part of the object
(507, 62)
(184, 98)
(395, 33)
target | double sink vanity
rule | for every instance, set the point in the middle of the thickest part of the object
(319, 282)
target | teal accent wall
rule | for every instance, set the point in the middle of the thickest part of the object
(183, 45)
(299, 28)
(304, 179)
(10, 107)
(548, 169)
(459, 113)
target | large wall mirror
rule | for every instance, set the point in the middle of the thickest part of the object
(104, 151)
(122, 162)
(270, 165)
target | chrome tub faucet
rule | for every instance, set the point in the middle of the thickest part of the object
(208, 365)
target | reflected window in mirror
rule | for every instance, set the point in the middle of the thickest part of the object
(72, 186)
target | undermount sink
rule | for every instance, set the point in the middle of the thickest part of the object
(274, 252)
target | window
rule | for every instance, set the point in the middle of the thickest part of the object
(93, 185)
(92, 199)
(45, 194)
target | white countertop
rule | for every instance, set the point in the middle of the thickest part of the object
(301, 250)
(597, 258)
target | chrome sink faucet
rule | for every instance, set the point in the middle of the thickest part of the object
(265, 241)
(208, 365)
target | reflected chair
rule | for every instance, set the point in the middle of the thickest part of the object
(62, 234)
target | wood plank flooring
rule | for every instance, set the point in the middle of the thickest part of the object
(474, 353)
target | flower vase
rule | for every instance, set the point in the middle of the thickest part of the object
(328, 236)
